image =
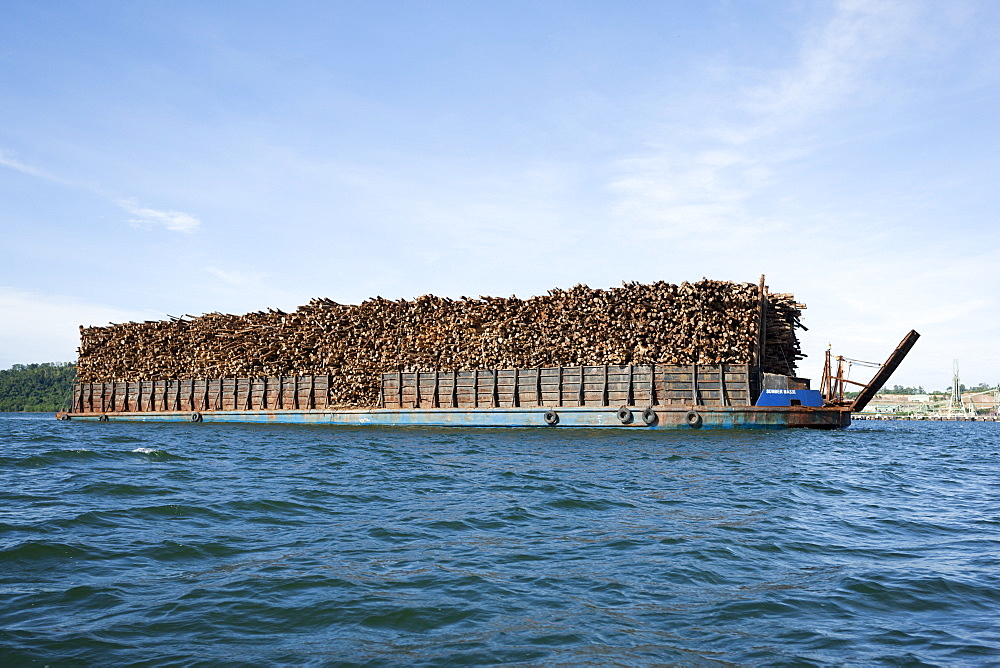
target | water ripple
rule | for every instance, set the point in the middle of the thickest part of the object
(268, 544)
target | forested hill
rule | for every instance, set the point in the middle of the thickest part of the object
(36, 387)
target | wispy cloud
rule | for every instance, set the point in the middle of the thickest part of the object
(832, 61)
(248, 290)
(676, 192)
(145, 217)
(238, 279)
(7, 160)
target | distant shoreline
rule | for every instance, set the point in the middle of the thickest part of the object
(935, 418)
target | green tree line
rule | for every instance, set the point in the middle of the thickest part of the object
(45, 387)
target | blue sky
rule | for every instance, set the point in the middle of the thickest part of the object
(180, 157)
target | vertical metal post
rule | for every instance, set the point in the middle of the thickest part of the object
(652, 384)
(723, 392)
(826, 384)
(559, 384)
(514, 398)
(604, 390)
(694, 385)
(630, 397)
(761, 330)
(840, 379)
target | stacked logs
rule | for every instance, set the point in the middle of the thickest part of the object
(781, 347)
(704, 322)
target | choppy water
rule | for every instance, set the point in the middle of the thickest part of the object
(206, 543)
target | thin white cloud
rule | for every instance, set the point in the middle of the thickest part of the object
(238, 279)
(45, 328)
(145, 217)
(832, 58)
(677, 193)
(13, 163)
(249, 290)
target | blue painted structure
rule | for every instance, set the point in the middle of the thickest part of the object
(788, 398)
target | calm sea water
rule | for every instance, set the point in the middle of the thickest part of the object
(178, 544)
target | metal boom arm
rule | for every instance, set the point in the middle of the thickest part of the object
(880, 378)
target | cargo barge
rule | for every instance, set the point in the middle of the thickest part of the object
(631, 396)
(699, 396)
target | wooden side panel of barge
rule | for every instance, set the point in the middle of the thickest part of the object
(710, 396)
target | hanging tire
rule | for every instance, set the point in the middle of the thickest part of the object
(551, 417)
(649, 416)
(195, 417)
(693, 420)
(103, 418)
(625, 415)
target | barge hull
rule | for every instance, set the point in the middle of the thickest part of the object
(673, 417)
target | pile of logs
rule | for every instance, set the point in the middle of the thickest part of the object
(706, 322)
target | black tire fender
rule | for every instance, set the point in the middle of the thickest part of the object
(195, 417)
(649, 416)
(693, 419)
(625, 415)
(551, 417)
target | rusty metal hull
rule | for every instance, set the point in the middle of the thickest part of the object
(672, 417)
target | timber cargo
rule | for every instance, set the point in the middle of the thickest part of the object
(711, 354)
